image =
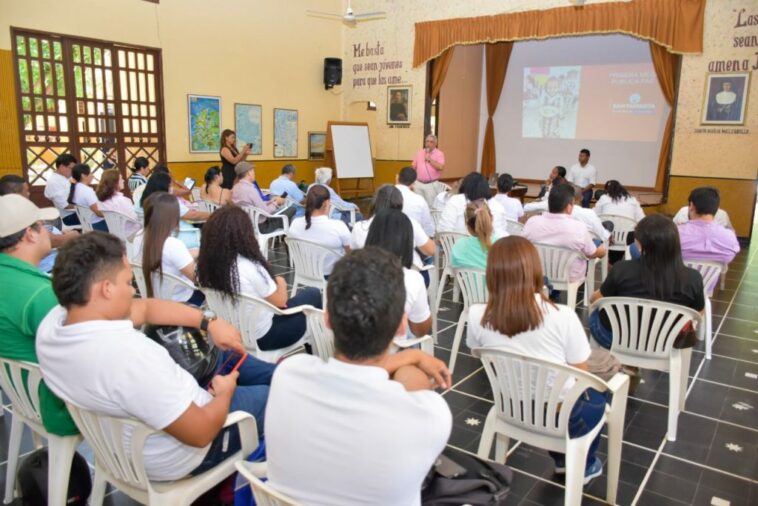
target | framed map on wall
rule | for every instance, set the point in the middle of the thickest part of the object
(285, 133)
(204, 115)
(247, 125)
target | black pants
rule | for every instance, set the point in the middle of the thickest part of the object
(272, 224)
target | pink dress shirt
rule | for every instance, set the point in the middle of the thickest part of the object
(122, 204)
(424, 170)
(564, 231)
(244, 193)
(707, 240)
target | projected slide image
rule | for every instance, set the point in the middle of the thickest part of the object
(551, 99)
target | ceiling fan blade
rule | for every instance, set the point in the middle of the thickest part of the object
(324, 14)
(365, 15)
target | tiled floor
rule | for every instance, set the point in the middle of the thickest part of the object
(715, 458)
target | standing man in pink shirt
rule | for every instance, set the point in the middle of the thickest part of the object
(429, 163)
(703, 238)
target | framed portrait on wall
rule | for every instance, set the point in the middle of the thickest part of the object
(399, 105)
(204, 117)
(316, 145)
(725, 98)
(247, 125)
(285, 133)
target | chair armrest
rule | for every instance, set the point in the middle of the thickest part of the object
(257, 469)
(294, 310)
(248, 430)
(407, 343)
(618, 382)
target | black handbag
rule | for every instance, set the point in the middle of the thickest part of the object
(479, 482)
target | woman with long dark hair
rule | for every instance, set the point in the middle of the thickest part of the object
(473, 187)
(617, 200)
(316, 226)
(659, 274)
(82, 194)
(111, 199)
(230, 157)
(159, 251)
(519, 318)
(212, 191)
(239, 267)
(391, 230)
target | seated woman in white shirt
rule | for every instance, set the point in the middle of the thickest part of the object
(83, 195)
(618, 201)
(473, 187)
(109, 193)
(520, 319)
(513, 208)
(239, 268)
(159, 251)
(317, 227)
(391, 230)
(212, 190)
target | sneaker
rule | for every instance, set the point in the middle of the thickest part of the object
(560, 465)
(594, 470)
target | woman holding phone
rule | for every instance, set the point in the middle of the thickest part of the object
(230, 156)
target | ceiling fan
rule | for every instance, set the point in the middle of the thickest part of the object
(349, 17)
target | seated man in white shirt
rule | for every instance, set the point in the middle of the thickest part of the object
(721, 217)
(513, 208)
(584, 176)
(58, 188)
(414, 205)
(368, 428)
(92, 356)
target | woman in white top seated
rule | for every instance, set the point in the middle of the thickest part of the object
(391, 230)
(618, 201)
(317, 227)
(473, 187)
(160, 252)
(231, 262)
(83, 195)
(520, 319)
(109, 193)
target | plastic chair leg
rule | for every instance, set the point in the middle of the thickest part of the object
(589, 283)
(441, 288)
(61, 454)
(293, 292)
(501, 447)
(14, 447)
(488, 434)
(456, 291)
(684, 375)
(571, 292)
(98, 489)
(457, 339)
(675, 392)
(708, 328)
(576, 462)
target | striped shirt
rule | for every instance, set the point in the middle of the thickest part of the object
(135, 181)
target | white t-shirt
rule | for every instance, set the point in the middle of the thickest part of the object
(113, 369)
(416, 297)
(513, 208)
(591, 221)
(360, 233)
(453, 217)
(628, 207)
(560, 339)
(329, 233)
(175, 257)
(582, 176)
(85, 196)
(56, 190)
(721, 217)
(415, 206)
(255, 281)
(371, 441)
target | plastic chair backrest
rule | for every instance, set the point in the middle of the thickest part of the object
(513, 227)
(264, 494)
(557, 262)
(622, 226)
(139, 278)
(447, 241)
(436, 217)
(195, 193)
(473, 284)
(241, 311)
(322, 337)
(710, 271)
(117, 224)
(170, 282)
(23, 393)
(644, 327)
(207, 206)
(529, 392)
(85, 215)
(309, 258)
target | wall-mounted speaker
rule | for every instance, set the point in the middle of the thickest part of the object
(332, 72)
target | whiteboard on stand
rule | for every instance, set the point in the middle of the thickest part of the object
(352, 151)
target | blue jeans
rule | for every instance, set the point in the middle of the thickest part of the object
(587, 412)
(602, 335)
(586, 198)
(250, 396)
(71, 220)
(197, 298)
(634, 251)
(100, 225)
(286, 330)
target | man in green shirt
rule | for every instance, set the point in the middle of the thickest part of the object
(27, 294)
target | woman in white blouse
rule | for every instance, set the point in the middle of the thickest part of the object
(520, 319)
(618, 201)
(473, 187)
(83, 195)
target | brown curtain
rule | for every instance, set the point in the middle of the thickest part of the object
(674, 24)
(496, 63)
(439, 70)
(665, 64)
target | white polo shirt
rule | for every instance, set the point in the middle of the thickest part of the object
(415, 206)
(56, 190)
(360, 233)
(628, 207)
(513, 208)
(325, 231)
(358, 438)
(453, 217)
(582, 176)
(174, 258)
(591, 221)
(111, 368)
(721, 217)
(85, 196)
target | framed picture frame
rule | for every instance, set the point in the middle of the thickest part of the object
(399, 105)
(204, 122)
(248, 125)
(725, 98)
(316, 145)
(285, 133)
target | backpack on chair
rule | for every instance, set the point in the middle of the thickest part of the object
(32, 480)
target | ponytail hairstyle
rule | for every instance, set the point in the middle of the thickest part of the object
(210, 175)
(315, 199)
(479, 222)
(161, 219)
(78, 172)
(140, 163)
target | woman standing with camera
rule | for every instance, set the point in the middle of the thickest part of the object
(230, 157)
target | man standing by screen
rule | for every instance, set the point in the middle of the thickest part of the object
(584, 176)
(428, 163)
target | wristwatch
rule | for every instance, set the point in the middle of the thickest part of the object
(208, 317)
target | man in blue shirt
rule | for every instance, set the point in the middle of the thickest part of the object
(285, 184)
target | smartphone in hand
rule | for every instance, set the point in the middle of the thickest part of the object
(232, 363)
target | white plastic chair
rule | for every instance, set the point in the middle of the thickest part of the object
(556, 265)
(170, 282)
(644, 332)
(243, 312)
(264, 239)
(195, 192)
(309, 259)
(85, 216)
(118, 225)
(343, 209)
(436, 217)
(513, 227)
(139, 278)
(443, 264)
(207, 206)
(321, 338)
(264, 494)
(24, 397)
(603, 267)
(473, 283)
(119, 460)
(531, 406)
(710, 271)
(622, 226)
(431, 270)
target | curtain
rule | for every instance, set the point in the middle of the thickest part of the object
(665, 64)
(496, 63)
(439, 70)
(674, 24)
